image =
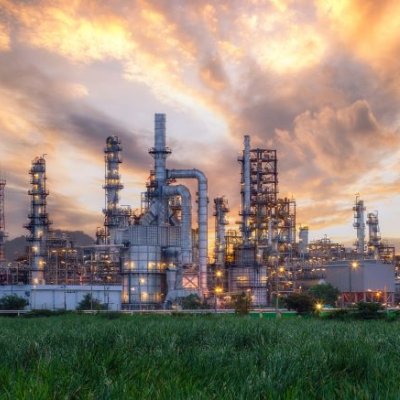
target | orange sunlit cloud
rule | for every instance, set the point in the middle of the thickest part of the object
(316, 80)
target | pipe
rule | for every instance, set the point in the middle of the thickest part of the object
(359, 224)
(160, 150)
(246, 189)
(186, 227)
(202, 218)
(221, 209)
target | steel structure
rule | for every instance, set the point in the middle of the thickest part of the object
(221, 210)
(3, 234)
(157, 258)
(39, 222)
(359, 224)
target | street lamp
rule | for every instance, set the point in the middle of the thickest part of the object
(354, 265)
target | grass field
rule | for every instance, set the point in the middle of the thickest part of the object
(199, 357)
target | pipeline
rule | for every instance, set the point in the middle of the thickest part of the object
(202, 218)
(186, 228)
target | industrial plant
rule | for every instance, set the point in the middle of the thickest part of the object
(155, 254)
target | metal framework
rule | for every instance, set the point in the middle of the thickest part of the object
(3, 234)
(39, 222)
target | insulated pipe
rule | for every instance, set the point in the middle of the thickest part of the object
(246, 193)
(159, 150)
(202, 218)
(359, 224)
(221, 209)
(186, 228)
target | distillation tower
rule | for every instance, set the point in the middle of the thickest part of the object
(3, 234)
(158, 250)
(39, 223)
(112, 186)
(359, 224)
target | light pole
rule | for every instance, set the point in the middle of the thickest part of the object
(218, 290)
(141, 280)
(280, 270)
(352, 265)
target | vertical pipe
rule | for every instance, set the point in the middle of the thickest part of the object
(186, 226)
(202, 218)
(160, 150)
(359, 224)
(3, 234)
(246, 189)
(221, 209)
(160, 153)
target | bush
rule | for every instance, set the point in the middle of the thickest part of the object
(88, 303)
(341, 314)
(324, 293)
(45, 313)
(369, 310)
(13, 302)
(191, 302)
(241, 303)
(303, 303)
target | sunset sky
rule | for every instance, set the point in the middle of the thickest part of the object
(317, 80)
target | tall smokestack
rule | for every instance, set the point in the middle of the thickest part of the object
(160, 151)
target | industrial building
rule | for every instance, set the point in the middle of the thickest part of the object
(151, 255)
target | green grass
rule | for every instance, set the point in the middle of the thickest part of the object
(216, 357)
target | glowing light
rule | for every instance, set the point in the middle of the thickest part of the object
(354, 264)
(318, 306)
(218, 290)
(218, 274)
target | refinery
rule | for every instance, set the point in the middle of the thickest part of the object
(152, 255)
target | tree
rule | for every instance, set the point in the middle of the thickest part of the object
(13, 302)
(324, 293)
(88, 303)
(303, 303)
(241, 303)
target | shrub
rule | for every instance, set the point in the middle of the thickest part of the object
(241, 303)
(341, 314)
(191, 302)
(366, 310)
(13, 302)
(45, 313)
(324, 293)
(88, 303)
(303, 303)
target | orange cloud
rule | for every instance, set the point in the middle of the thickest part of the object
(4, 37)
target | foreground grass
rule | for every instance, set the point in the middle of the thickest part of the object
(164, 357)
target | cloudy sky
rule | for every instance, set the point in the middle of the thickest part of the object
(317, 80)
